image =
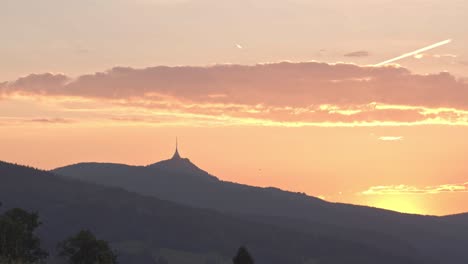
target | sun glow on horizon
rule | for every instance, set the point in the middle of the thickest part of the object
(402, 204)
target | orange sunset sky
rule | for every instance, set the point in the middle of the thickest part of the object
(267, 93)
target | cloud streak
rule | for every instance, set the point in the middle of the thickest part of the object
(408, 189)
(391, 138)
(39, 121)
(358, 54)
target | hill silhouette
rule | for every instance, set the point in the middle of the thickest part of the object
(181, 181)
(140, 226)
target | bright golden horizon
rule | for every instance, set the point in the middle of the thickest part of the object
(403, 204)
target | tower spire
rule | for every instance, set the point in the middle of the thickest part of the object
(176, 153)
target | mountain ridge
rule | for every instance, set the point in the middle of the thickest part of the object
(126, 218)
(266, 204)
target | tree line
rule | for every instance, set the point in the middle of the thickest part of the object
(19, 243)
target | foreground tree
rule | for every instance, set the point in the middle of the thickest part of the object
(84, 248)
(18, 241)
(243, 257)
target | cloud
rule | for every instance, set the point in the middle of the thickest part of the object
(277, 84)
(283, 94)
(46, 84)
(50, 120)
(436, 56)
(41, 121)
(358, 54)
(408, 189)
(391, 138)
(444, 56)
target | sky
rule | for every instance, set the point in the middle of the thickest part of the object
(285, 93)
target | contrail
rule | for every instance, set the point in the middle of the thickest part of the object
(415, 52)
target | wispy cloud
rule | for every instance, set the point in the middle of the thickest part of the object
(408, 189)
(18, 120)
(50, 120)
(390, 138)
(444, 56)
(437, 56)
(361, 53)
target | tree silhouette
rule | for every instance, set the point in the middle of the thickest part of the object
(242, 257)
(18, 242)
(84, 248)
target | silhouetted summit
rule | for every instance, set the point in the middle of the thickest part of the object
(180, 167)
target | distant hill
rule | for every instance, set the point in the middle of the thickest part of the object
(143, 228)
(457, 219)
(181, 181)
